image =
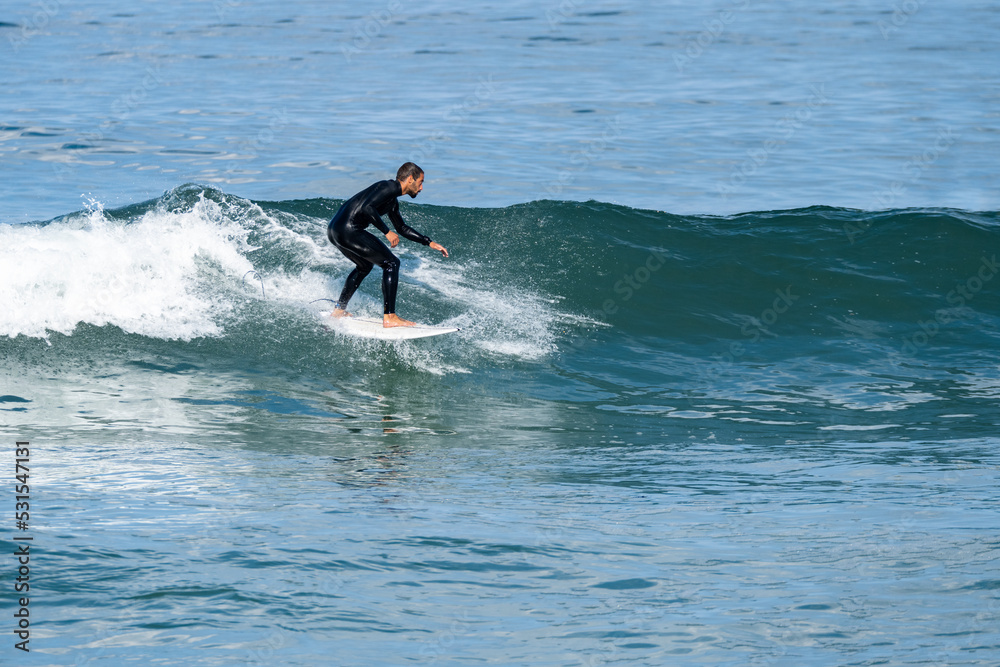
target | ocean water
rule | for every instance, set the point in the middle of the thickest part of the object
(725, 391)
(725, 106)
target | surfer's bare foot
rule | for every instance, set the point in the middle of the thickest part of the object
(340, 312)
(394, 320)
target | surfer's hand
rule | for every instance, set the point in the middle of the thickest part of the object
(393, 239)
(437, 246)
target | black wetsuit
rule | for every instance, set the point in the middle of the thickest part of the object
(347, 232)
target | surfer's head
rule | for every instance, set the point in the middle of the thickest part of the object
(411, 179)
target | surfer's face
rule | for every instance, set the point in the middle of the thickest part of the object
(412, 186)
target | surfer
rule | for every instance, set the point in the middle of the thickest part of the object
(347, 232)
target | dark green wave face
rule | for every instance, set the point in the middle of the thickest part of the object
(825, 313)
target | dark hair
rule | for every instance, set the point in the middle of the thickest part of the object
(407, 170)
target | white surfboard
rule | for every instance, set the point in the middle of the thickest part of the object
(370, 327)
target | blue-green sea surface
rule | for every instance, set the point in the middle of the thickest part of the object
(725, 390)
(761, 439)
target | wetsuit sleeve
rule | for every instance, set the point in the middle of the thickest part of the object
(370, 212)
(404, 229)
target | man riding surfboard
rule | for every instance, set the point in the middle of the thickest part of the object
(347, 231)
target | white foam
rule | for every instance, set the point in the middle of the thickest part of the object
(512, 322)
(152, 276)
